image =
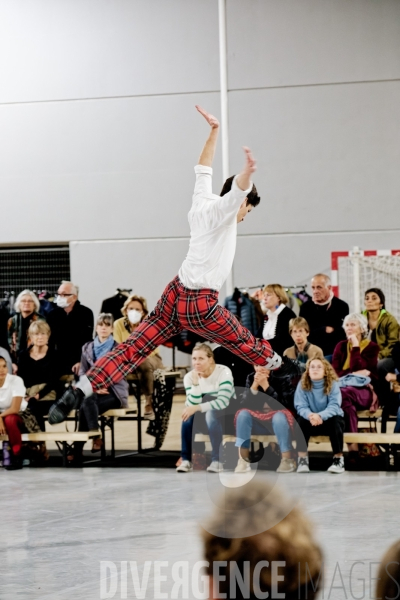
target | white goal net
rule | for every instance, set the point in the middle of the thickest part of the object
(359, 271)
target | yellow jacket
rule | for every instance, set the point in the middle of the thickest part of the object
(121, 333)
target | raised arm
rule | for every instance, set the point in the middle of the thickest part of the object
(244, 178)
(207, 154)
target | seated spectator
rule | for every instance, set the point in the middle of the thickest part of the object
(324, 315)
(317, 402)
(27, 311)
(383, 329)
(252, 527)
(134, 311)
(12, 367)
(285, 380)
(4, 317)
(388, 579)
(209, 389)
(116, 396)
(71, 327)
(39, 369)
(392, 406)
(302, 350)
(276, 321)
(262, 413)
(356, 356)
(12, 393)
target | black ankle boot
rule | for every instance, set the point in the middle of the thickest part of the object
(70, 400)
(16, 463)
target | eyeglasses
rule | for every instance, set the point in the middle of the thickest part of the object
(64, 295)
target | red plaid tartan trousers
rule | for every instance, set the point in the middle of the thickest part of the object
(180, 308)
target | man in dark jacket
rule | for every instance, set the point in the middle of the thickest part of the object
(71, 327)
(324, 314)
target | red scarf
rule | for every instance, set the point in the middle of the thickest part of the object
(257, 414)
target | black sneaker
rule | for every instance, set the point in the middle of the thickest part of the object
(16, 463)
(70, 400)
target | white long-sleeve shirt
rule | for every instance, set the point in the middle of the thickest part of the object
(219, 385)
(213, 230)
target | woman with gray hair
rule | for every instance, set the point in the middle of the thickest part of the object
(356, 356)
(27, 308)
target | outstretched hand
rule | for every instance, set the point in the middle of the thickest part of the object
(250, 164)
(244, 178)
(211, 120)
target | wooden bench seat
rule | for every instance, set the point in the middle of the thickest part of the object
(349, 438)
(387, 441)
(366, 414)
(119, 412)
(56, 436)
(65, 438)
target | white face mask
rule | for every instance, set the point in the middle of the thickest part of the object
(61, 302)
(134, 316)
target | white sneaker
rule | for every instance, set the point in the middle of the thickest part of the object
(303, 466)
(337, 466)
(288, 465)
(185, 467)
(243, 466)
(215, 467)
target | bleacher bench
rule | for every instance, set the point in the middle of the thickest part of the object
(63, 439)
(386, 440)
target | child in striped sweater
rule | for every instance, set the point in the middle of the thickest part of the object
(209, 388)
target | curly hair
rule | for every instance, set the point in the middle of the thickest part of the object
(329, 377)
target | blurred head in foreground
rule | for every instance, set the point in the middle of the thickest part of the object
(259, 545)
(388, 582)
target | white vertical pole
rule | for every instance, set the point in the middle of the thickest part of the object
(356, 279)
(223, 77)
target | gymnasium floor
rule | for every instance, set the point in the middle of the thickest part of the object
(57, 525)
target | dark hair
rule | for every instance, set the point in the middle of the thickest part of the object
(379, 293)
(252, 198)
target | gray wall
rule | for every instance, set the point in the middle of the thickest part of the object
(99, 135)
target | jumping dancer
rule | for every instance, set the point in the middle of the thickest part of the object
(190, 301)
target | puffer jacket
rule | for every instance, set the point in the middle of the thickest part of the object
(120, 389)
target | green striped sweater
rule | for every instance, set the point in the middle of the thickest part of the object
(219, 385)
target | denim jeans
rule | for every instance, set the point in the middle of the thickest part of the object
(246, 424)
(214, 430)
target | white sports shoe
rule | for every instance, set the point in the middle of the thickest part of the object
(243, 466)
(303, 466)
(274, 362)
(185, 467)
(337, 466)
(215, 467)
(288, 465)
